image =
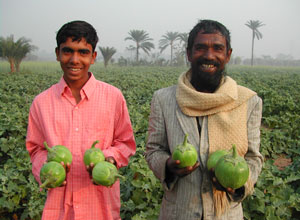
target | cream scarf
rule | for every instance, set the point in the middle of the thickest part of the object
(226, 109)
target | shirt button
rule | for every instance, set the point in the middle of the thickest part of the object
(76, 129)
(76, 107)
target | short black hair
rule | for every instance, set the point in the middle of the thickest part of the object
(77, 30)
(208, 27)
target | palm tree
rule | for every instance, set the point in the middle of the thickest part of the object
(15, 52)
(168, 40)
(107, 53)
(183, 37)
(254, 25)
(142, 40)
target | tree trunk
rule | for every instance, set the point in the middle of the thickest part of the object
(171, 54)
(253, 36)
(137, 53)
(12, 65)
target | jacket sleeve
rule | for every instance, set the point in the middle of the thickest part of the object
(34, 142)
(123, 144)
(157, 148)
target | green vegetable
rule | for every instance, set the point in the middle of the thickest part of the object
(214, 158)
(186, 153)
(58, 153)
(105, 173)
(52, 175)
(93, 155)
(232, 170)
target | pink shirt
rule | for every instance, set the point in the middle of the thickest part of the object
(100, 115)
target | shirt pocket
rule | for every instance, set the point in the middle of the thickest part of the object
(93, 132)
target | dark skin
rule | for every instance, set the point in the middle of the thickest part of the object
(210, 54)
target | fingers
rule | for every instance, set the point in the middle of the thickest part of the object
(230, 190)
(172, 166)
(66, 166)
(90, 168)
(110, 160)
(217, 185)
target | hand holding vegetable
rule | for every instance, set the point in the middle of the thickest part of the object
(173, 167)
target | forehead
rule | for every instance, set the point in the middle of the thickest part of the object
(82, 44)
(209, 38)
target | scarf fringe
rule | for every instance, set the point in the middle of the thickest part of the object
(220, 202)
(220, 199)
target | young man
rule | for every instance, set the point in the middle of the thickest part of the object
(75, 112)
(215, 112)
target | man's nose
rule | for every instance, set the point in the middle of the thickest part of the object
(75, 57)
(209, 54)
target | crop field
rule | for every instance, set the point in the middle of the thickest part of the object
(277, 192)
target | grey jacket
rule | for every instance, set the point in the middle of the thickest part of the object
(190, 197)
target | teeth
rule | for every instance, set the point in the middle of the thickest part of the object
(75, 69)
(208, 65)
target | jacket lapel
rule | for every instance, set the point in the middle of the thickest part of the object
(189, 126)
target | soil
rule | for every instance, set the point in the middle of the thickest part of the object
(281, 162)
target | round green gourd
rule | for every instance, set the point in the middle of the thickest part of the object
(186, 153)
(214, 158)
(52, 175)
(105, 173)
(58, 153)
(93, 155)
(232, 170)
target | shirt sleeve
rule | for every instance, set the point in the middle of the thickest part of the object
(34, 142)
(123, 144)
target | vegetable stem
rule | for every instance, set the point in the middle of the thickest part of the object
(185, 140)
(95, 142)
(47, 147)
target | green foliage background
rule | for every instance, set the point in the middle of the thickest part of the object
(277, 192)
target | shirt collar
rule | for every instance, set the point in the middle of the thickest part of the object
(88, 88)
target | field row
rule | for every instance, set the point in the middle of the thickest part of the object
(279, 88)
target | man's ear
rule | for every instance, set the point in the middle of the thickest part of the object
(189, 55)
(94, 55)
(229, 52)
(57, 53)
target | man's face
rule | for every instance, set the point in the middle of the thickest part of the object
(208, 58)
(75, 59)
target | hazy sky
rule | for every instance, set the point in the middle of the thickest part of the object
(39, 21)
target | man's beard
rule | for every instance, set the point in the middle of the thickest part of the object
(204, 81)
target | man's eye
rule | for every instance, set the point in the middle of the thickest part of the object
(219, 48)
(67, 50)
(200, 47)
(84, 52)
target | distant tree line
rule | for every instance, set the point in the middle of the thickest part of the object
(266, 60)
(15, 51)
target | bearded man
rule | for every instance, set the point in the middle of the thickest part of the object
(216, 113)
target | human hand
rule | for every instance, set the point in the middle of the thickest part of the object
(217, 185)
(110, 160)
(90, 168)
(172, 167)
(67, 169)
(66, 166)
